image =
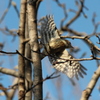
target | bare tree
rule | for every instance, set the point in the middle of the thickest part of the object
(27, 76)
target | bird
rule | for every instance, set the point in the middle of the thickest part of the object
(56, 49)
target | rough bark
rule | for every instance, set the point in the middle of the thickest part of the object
(21, 61)
(37, 70)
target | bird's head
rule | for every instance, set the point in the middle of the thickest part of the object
(68, 44)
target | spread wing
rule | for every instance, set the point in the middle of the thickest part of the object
(55, 46)
(70, 68)
(48, 30)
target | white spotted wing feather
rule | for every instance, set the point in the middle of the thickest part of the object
(49, 33)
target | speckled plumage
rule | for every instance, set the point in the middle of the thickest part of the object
(55, 47)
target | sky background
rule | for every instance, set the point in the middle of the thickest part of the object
(49, 7)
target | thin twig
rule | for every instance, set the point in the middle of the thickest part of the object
(8, 52)
(85, 38)
(24, 56)
(63, 6)
(47, 78)
(5, 12)
(77, 14)
(15, 7)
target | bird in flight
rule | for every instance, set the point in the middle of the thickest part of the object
(55, 47)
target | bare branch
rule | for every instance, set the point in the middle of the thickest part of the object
(15, 7)
(47, 78)
(8, 52)
(7, 31)
(87, 92)
(5, 12)
(85, 38)
(24, 56)
(77, 14)
(64, 28)
(63, 6)
(9, 72)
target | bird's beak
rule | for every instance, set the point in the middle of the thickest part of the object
(71, 47)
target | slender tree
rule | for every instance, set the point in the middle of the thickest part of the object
(35, 43)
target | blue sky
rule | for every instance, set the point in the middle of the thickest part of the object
(81, 24)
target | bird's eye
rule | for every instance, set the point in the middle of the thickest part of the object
(55, 28)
